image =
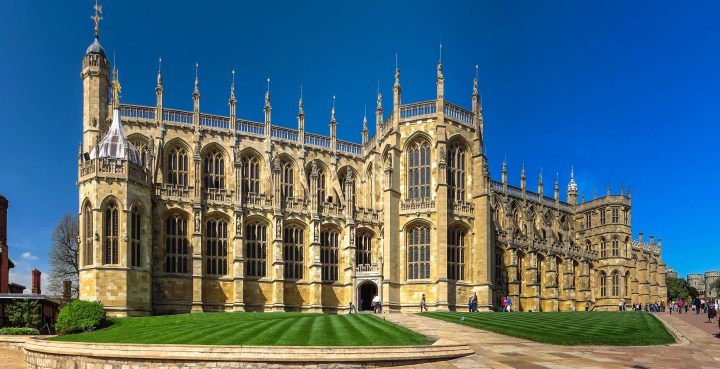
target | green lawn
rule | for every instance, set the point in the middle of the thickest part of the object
(570, 328)
(281, 329)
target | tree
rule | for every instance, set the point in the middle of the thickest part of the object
(24, 314)
(715, 286)
(677, 288)
(64, 263)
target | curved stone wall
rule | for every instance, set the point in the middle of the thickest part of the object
(43, 354)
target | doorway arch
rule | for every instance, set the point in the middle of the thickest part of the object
(366, 292)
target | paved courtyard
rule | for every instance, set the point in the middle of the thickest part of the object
(699, 349)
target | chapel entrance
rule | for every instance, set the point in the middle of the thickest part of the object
(366, 292)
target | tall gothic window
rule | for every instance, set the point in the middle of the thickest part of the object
(135, 234)
(293, 243)
(456, 254)
(329, 254)
(419, 252)
(456, 172)
(603, 284)
(626, 216)
(177, 166)
(499, 269)
(216, 244)
(250, 175)
(288, 179)
(256, 250)
(111, 233)
(419, 170)
(626, 284)
(141, 147)
(603, 248)
(363, 248)
(602, 216)
(88, 235)
(615, 215)
(344, 185)
(520, 271)
(588, 220)
(615, 247)
(615, 279)
(176, 244)
(214, 170)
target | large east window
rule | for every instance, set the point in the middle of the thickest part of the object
(111, 233)
(216, 245)
(256, 250)
(419, 170)
(419, 252)
(329, 254)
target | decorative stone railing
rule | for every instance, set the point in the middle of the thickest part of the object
(249, 127)
(170, 190)
(317, 140)
(366, 215)
(137, 112)
(330, 209)
(462, 207)
(177, 116)
(217, 194)
(285, 134)
(112, 168)
(418, 109)
(458, 113)
(365, 268)
(349, 147)
(418, 204)
(215, 121)
(257, 200)
(294, 204)
(529, 195)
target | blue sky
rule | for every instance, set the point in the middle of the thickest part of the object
(627, 92)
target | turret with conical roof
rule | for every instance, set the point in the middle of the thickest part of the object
(96, 83)
(572, 189)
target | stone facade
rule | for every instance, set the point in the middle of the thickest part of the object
(703, 283)
(225, 214)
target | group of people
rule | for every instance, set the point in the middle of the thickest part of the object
(706, 306)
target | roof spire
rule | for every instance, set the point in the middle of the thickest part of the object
(97, 18)
(572, 185)
(232, 86)
(475, 81)
(267, 94)
(300, 103)
(440, 60)
(159, 76)
(332, 113)
(197, 83)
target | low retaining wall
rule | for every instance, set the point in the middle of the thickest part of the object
(43, 354)
(13, 342)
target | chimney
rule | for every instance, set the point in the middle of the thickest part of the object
(36, 282)
(640, 235)
(67, 290)
(652, 240)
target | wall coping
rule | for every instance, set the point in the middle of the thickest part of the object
(372, 355)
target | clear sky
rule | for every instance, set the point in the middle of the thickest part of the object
(626, 91)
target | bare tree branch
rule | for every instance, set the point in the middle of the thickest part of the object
(64, 263)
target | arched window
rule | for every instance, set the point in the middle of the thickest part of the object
(520, 271)
(135, 232)
(321, 194)
(214, 170)
(626, 283)
(615, 284)
(419, 252)
(500, 278)
(540, 271)
(177, 165)
(419, 170)
(141, 147)
(602, 216)
(216, 242)
(363, 248)
(293, 243)
(176, 244)
(329, 254)
(603, 284)
(615, 215)
(588, 246)
(287, 179)
(256, 250)
(603, 249)
(456, 254)
(111, 233)
(456, 172)
(250, 175)
(615, 247)
(88, 218)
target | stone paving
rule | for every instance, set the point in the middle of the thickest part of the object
(700, 321)
(697, 349)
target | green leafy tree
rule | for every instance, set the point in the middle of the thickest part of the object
(24, 313)
(677, 288)
(715, 286)
(693, 292)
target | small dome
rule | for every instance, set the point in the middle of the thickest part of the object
(95, 48)
(572, 186)
(115, 144)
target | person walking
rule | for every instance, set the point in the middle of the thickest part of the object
(504, 304)
(423, 304)
(474, 302)
(508, 302)
(680, 306)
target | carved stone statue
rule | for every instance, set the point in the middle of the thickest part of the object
(278, 229)
(197, 221)
(238, 225)
(317, 232)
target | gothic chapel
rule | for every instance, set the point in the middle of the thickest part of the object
(182, 211)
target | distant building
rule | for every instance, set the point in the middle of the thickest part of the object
(670, 273)
(703, 282)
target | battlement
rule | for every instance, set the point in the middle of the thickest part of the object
(529, 195)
